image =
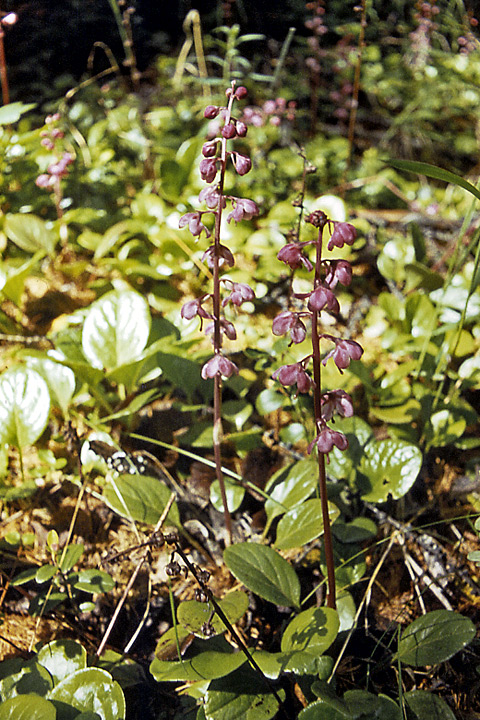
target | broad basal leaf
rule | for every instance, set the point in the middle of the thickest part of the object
(116, 329)
(389, 467)
(92, 690)
(264, 572)
(435, 637)
(27, 707)
(141, 498)
(24, 406)
(30, 233)
(303, 524)
(312, 631)
(62, 658)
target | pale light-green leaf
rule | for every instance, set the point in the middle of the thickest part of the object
(116, 329)
(141, 498)
(29, 233)
(389, 467)
(303, 524)
(312, 631)
(92, 690)
(24, 406)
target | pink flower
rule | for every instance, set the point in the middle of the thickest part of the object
(343, 352)
(327, 439)
(343, 234)
(225, 256)
(288, 321)
(44, 181)
(208, 169)
(226, 328)
(294, 375)
(219, 365)
(211, 196)
(243, 209)
(336, 402)
(340, 271)
(292, 255)
(322, 298)
(194, 222)
(240, 293)
(194, 307)
(242, 163)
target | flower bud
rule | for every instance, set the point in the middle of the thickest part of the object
(241, 92)
(208, 169)
(219, 365)
(228, 131)
(211, 112)
(241, 128)
(242, 163)
(209, 149)
(343, 234)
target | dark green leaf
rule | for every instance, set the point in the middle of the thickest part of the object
(435, 637)
(426, 706)
(265, 572)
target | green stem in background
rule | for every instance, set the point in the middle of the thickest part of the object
(317, 404)
(125, 32)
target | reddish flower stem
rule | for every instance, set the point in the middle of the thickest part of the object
(217, 335)
(317, 405)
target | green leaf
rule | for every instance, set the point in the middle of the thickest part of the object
(204, 666)
(312, 630)
(303, 524)
(320, 710)
(389, 467)
(433, 171)
(13, 111)
(426, 706)
(434, 638)
(234, 492)
(270, 400)
(27, 707)
(62, 658)
(24, 406)
(140, 498)
(264, 572)
(241, 694)
(30, 678)
(60, 379)
(193, 614)
(71, 557)
(290, 486)
(30, 233)
(443, 428)
(116, 329)
(94, 581)
(91, 690)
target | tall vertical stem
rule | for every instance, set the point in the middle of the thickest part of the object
(3, 70)
(217, 334)
(317, 405)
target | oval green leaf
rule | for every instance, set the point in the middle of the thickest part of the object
(264, 572)
(27, 707)
(29, 232)
(59, 378)
(94, 581)
(312, 631)
(235, 494)
(116, 329)
(24, 406)
(240, 695)
(435, 637)
(92, 690)
(424, 706)
(204, 666)
(141, 498)
(303, 524)
(62, 658)
(390, 467)
(290, 487)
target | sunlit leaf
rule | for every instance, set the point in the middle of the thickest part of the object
(62, 658)
(91, 690)
(312, 630)
(389, 467)
(141, 498)
(30, 233)
(24, 406)
(303, 524)
(116, 329)
(265, 572)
